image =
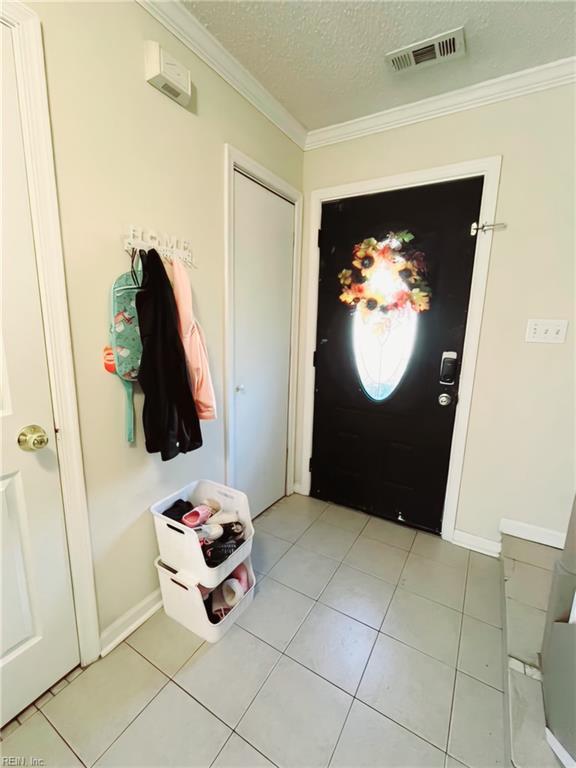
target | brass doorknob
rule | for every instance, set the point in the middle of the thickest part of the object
(32, 438)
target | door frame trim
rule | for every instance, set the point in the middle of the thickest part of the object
(489, 167)
(234, 160)
(37, 138)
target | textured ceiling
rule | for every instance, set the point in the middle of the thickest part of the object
(324, 60)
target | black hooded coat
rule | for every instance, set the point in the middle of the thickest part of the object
(171, 424)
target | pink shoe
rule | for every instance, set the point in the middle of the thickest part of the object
(241, 574)
(197, 516)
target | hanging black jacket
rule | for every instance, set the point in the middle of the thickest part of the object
(170, 420)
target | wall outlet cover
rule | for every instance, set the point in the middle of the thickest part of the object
(546, 331)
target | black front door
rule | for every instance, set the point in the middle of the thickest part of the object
(394, 284)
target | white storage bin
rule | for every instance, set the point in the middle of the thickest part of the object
(179, 545)
(183, 602)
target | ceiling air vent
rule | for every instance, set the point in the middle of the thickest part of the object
(449, 45)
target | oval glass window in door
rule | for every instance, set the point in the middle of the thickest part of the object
(386, 290)
(382, 350)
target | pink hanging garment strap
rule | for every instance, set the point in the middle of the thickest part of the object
(194, 345)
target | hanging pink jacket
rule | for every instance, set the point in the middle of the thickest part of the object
(194, 344)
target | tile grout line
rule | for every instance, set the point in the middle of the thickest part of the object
(454, 667)
(451, 716)
(261, 686)
(477, 680)
(424, 653)
(354, 696)
(379, 630)
(131, 721)
(342, 561)
(530, 565)
(283, 653)
(269, 759)
(166, 674)
(287, 541)
(70, 747)
(34, 704)
(315, 601)
(200, 703)
(171, 678)
(370, 656)
(232, 728)
(280, 537)
(402, 725)
(222, 748)
(352, 700)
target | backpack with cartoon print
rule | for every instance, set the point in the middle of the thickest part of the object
(122, 356)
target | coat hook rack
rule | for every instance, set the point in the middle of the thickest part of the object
(475, 228)
(168, 246)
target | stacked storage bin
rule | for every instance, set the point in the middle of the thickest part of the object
(182, 567)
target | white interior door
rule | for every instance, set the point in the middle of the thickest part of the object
(38, 635)
(262, 309)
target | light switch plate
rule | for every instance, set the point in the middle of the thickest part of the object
(546, 331)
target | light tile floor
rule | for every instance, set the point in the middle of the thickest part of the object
(528, 578)
(527, 570)
(367, 644)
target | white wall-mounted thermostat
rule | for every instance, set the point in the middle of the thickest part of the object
(168, 75)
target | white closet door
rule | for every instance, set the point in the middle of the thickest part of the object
(262, 308)
(38, 639)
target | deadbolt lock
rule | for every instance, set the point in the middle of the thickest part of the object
(444, 399)
(32, 438)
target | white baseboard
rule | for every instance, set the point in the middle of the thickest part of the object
(119, 630)
(301, 489)
(476, 543)
(562, 754)
(533, 533)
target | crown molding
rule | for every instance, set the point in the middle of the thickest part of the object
(184, 26)
(527, 81)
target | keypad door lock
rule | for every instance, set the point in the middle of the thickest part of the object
(448, 368)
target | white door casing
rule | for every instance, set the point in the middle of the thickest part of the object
(489, 168)
(26, 32)
(260, 325)
(38, 640)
